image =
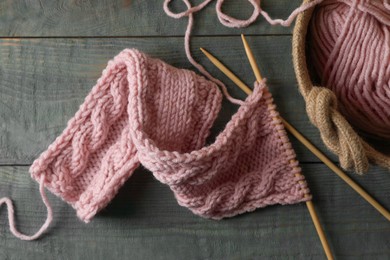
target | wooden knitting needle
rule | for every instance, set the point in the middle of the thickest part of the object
(313, 149)
(309, 203)
(300, 137)
(248, 91)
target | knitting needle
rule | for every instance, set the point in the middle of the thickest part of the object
(309, 204)
(313, 149)
(305, 142)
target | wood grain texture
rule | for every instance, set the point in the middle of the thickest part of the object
(45, 80)
(144, 221)
(83, 18)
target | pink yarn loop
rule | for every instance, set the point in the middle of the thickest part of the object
(292, 16)
(11, 214)
(187, 12)
(237, 23)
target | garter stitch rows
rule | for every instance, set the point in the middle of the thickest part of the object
(94, 156)
(250, 165)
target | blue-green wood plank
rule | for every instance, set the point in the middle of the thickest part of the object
(144, 221)
(127, 18)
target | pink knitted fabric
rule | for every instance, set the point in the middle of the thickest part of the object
(94, 156)
(144, 110)
(250, 165)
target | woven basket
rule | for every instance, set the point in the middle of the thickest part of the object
(321, 105)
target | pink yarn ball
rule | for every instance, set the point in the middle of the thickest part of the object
(351, 53)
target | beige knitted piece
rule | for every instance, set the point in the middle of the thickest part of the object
(322, 109)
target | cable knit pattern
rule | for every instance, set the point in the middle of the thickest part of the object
(143, 110)
(95, 155)
(250, 165)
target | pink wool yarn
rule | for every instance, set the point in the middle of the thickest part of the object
(351, 52)
(143, 110)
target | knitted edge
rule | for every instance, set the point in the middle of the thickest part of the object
(288, 151)
(86, 210)
(286, 145)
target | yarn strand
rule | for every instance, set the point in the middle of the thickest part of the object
(227, 21)
(11, 215)
(187, 44)
(292, 16)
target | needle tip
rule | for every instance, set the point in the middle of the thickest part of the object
(244, 40)
(204, 51)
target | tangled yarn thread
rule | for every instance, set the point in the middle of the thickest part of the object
(351, 52)
(229, 22)
(143, 110)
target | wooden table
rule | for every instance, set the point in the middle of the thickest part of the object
(52, 53)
